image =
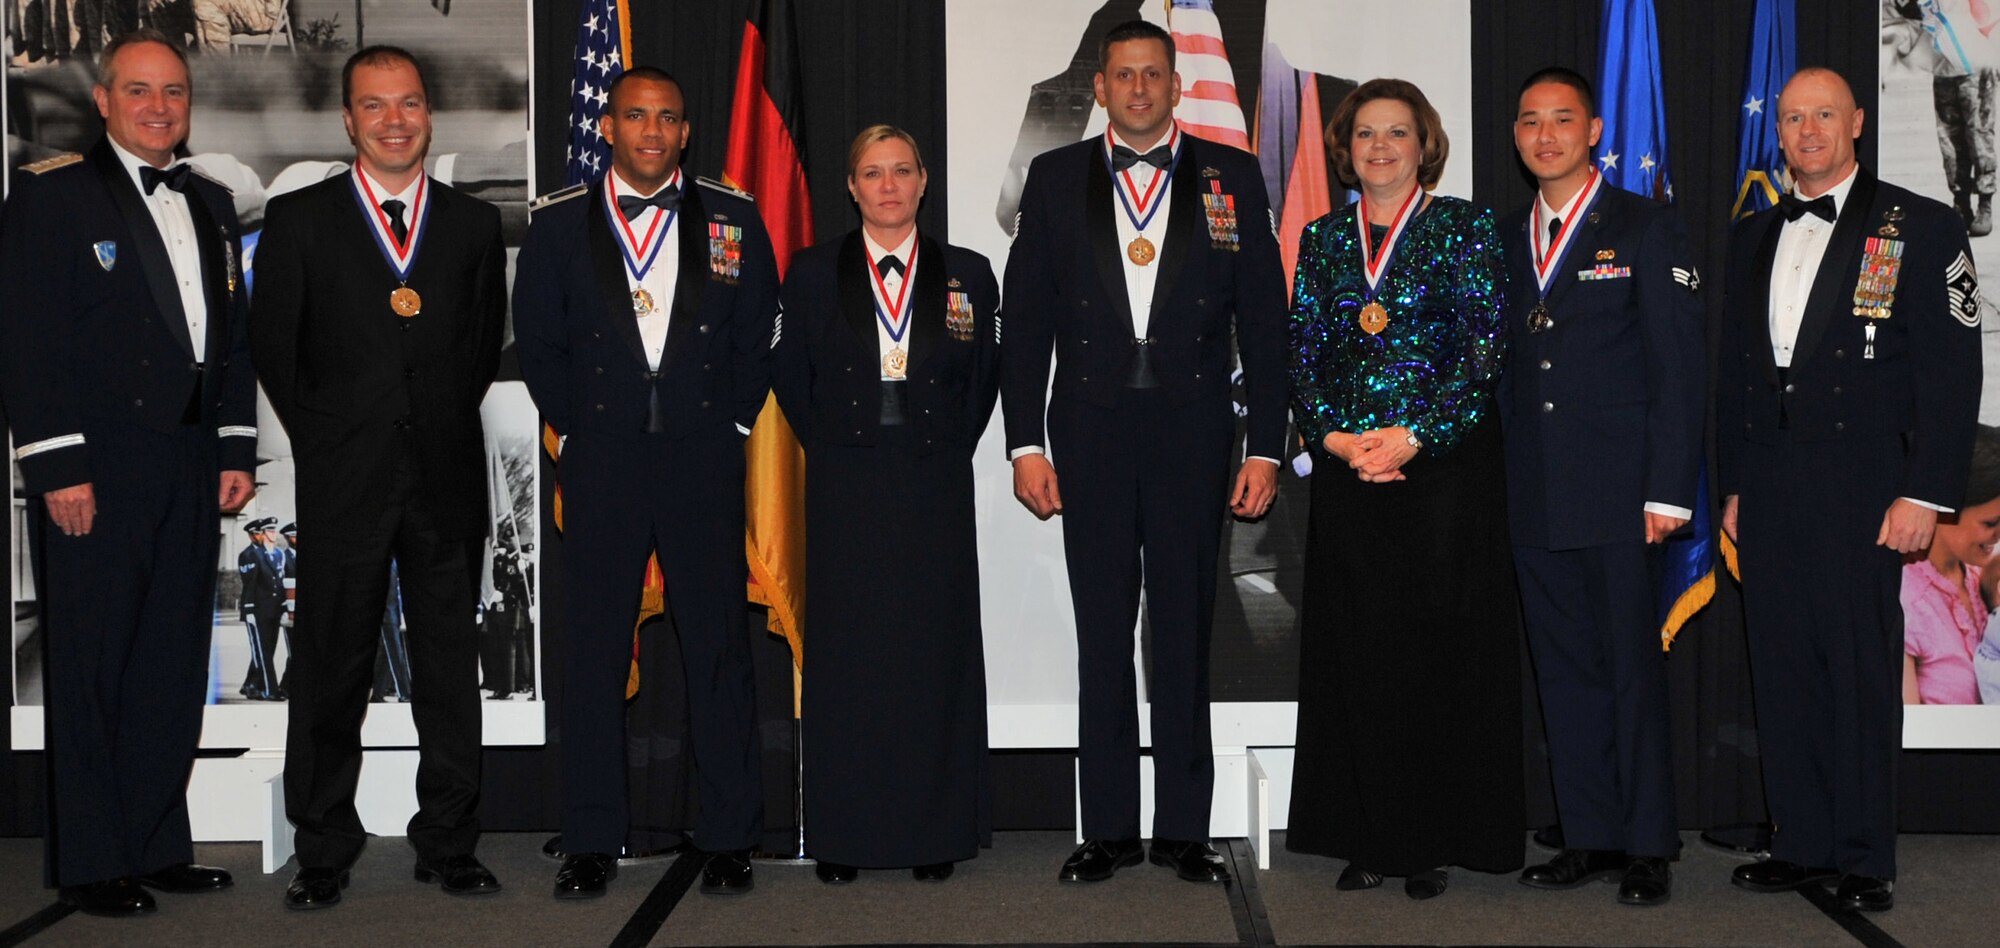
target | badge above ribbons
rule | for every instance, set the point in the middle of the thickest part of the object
(107, 254)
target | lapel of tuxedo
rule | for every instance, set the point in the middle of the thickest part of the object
(927, 302)
(1837, 269)
(1759, 318)
(607, 264)
(1099, 204)
(1185, 214)
(146, 242)
(692, 222)
(212, 239)
(857, 298)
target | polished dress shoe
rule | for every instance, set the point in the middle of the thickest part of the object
(585, 875)
(835, 873)
(315, 888)
(111, 898)
(1867, 893)
(727, 873)
(935, 872)
(1097, 859)
(1428, 884)
(1194, 861)
(187, 877)
(1648, 881)
(1354, 879)
(1778, 875)
(459, 875)
(1575, 867)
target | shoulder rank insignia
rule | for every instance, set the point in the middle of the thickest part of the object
(713, 184)
(1961, 284)
(47, 165)
(1688, 277)
(557, 197)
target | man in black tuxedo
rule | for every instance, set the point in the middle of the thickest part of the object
(1136, 255)
(643, 313)
(381, 298)
(1847, 399)
(1603, 409)
(127, 381)
(262, 566)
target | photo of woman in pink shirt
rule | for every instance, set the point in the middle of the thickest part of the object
(1944, 609)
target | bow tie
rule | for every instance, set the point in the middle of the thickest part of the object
(1123, 157)
(668, 199)
(889, 264)
(175, 177)
(1793, 208)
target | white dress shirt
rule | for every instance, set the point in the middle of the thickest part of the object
(1139, 281)
(176, 225)
(892, 286)
(664, 276)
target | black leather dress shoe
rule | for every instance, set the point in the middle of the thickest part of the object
(1777, 875)
(585, 875)
(187, 877)
(459, 875)
(1354, 879)
(1195, 861)
(315, 888)
(1575, 867)
(1428, 884)
(835, 873)
(935, 872)
(1648, 881)
(1867, 893)
(111, 898)
(727, 873)
(1097, 859)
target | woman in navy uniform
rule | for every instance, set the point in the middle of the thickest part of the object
(888, 374)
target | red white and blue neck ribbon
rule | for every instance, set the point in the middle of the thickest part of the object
(1140, 209)
(892, 312)
(401, 255)
(1547, 259)
(1374, 260)
(640, 252)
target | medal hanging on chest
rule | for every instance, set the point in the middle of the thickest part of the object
(894, 314)
(1374, 316)
(401, 255)
(640, 250)
(1141, 208)
(1548, 259)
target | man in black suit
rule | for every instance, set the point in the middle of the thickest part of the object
(1847, 399)
(262, 566)
(643, 313)
(127, 381)
(1136, 255)
(1603, 411)
(381, 298)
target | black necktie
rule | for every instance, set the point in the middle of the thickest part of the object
(1793, 208)
(668, 199)
(889, 264)
(1555, 231)
(1123, 157)
(175, 177)
(394, 209)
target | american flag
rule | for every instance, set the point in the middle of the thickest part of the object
(1208, 89)
(600, 57)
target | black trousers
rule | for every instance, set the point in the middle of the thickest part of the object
(1603, 682)
(127, 614)
(342, 586)
(624, 499)
(1144, 489)
(1824, 620)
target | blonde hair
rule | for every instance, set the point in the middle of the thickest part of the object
(875, 135)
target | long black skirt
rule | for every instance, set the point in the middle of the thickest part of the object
(1409, 735)
(894, 718)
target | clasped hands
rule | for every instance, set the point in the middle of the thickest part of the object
(1376, 456)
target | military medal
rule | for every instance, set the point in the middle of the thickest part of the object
(894, 313)
(640, 251)
(1375, 260)
(1220, 209)
(1875, 286)
(401, 254)
(958, 317)
(725, 252)
(1140, 209)
(1548, 258)
(642, 302)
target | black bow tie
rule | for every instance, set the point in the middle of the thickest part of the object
(1123, 157)
(668, 199)
(175, 177)
(889, 264)
(1793, 208)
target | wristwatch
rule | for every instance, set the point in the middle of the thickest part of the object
(1415, 441)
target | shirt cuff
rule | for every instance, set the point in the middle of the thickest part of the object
(1258, 457)
(1024, 451)
(1669, 510)
(1927, 505)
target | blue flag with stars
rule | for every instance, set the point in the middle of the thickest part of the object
(1760, 166)
(1633, 153)
(600, 57)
